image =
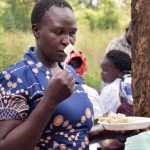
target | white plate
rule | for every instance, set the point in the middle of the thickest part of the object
(135, 123)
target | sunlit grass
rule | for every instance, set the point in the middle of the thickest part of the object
(12, 47)
(14, 44)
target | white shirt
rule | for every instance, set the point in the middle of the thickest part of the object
(94, 98)
(109, 100)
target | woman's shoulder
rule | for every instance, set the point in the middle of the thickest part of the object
(114, 84)
(15, 68)
(14, 75)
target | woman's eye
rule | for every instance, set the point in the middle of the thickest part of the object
(105, 70)
(73, 33)
(58, 32)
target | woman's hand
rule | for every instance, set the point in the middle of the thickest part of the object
(60, 87)
(126, 109)
(106, 134)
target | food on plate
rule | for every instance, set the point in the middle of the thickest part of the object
(114, 118)
(121, 122)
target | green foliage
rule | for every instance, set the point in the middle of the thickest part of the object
(16, 14)
(98, 20)
(12, 46)
(108, 16)
(91, 16)
(108, 21)
(93, 80)
(2, 53)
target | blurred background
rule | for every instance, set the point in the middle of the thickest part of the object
(99, 21)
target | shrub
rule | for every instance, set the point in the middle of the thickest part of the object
(16, 15)
(108, 21)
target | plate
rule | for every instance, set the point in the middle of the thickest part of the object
(134, 124)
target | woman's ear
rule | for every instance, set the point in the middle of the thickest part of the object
(35, 30)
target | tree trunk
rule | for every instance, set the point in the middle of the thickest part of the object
(141, 56)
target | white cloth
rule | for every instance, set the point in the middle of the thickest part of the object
(94, 98)
(94, 146)
(138, 142)
(125, 89)
(109, 97)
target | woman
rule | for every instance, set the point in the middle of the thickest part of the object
(116, 73)
(116, 95)
(42, 105)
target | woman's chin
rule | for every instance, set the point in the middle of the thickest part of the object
(61, 60)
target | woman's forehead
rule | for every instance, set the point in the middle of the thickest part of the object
(106, 61)
(57, 15)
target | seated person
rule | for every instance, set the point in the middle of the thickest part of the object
(116, 68)
(116, 95)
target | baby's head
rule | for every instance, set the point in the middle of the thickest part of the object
(114, 65)
(78, 61)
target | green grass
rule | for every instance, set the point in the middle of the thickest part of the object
(12, 47)
(14, 44)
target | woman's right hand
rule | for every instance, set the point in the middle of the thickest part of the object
(126, 109)
(60, 87)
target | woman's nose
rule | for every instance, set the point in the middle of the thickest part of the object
(66, 40)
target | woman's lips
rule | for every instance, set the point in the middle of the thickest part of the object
(62, 54)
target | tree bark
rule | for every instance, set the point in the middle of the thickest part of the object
(140, 16)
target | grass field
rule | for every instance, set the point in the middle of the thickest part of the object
(92, 44)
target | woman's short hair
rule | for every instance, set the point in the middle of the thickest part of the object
(120, 59)
(42, 6)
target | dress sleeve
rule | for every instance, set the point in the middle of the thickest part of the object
(13, 97)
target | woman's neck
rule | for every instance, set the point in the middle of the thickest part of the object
(52, 66)
(44, 59)
(55, 69)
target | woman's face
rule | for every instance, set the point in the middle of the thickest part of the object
(56, 29)
(108, 71)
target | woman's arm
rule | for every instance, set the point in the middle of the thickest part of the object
(18, 135)
(102, 134)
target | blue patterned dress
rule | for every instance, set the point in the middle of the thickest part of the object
(21, 87)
